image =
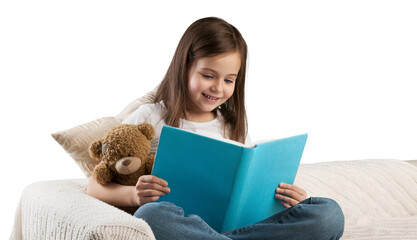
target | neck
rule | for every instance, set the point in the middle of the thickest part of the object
(200, 117)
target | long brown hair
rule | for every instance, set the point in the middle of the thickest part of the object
(206, 37)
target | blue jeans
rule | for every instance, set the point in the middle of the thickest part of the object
(313, 218)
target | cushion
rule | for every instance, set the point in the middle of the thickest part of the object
(378, 196)
(76, 140)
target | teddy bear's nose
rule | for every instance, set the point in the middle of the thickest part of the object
(128, 165)
(126, 162)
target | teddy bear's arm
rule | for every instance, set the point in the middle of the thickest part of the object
(102, 174)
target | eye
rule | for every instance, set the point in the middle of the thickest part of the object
(129, 155)
(206, 76)
(104, 148)
(228, 81)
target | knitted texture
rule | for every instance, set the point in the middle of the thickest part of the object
(62, 210)
(378, 197)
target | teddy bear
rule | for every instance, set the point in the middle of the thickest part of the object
(124, 155)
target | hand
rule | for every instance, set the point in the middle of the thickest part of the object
(149, 188)
(294, 194)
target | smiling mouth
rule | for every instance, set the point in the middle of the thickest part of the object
(210, 97)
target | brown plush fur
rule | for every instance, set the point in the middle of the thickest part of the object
(123, 142)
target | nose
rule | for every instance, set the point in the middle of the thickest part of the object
(126, 162)
(217, 85)
(128, 165)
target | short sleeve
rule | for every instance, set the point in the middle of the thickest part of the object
(140, 115)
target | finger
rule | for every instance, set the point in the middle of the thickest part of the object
(293, 187)
(154, 186)
(151, 193)
(148, 199)
(300, 191)
(153, 179)
(286, 205)
(286, 199)
(290, 193)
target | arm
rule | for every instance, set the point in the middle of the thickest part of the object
(112, 193)
(148, 189)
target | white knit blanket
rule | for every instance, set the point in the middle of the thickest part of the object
(378, 198)
(62, 210)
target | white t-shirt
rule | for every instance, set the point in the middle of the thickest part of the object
(152, 114)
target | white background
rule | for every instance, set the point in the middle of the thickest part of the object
(343, 71)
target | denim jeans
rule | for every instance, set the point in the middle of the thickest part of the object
(313, 218)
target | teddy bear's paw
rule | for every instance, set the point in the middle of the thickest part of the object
(102, 174)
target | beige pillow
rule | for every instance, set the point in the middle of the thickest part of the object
(76, 140)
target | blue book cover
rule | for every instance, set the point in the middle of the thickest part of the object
(227, 184)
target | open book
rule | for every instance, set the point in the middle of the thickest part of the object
(228, 185)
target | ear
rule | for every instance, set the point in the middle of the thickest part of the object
(147, 130)
(95, 150)
(102, 174)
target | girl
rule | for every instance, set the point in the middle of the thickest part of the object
(203, 91)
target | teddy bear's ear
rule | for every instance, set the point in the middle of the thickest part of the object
(95, 150)
(147, 130)
(102, 174)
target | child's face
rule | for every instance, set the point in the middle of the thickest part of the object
(212, 81)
